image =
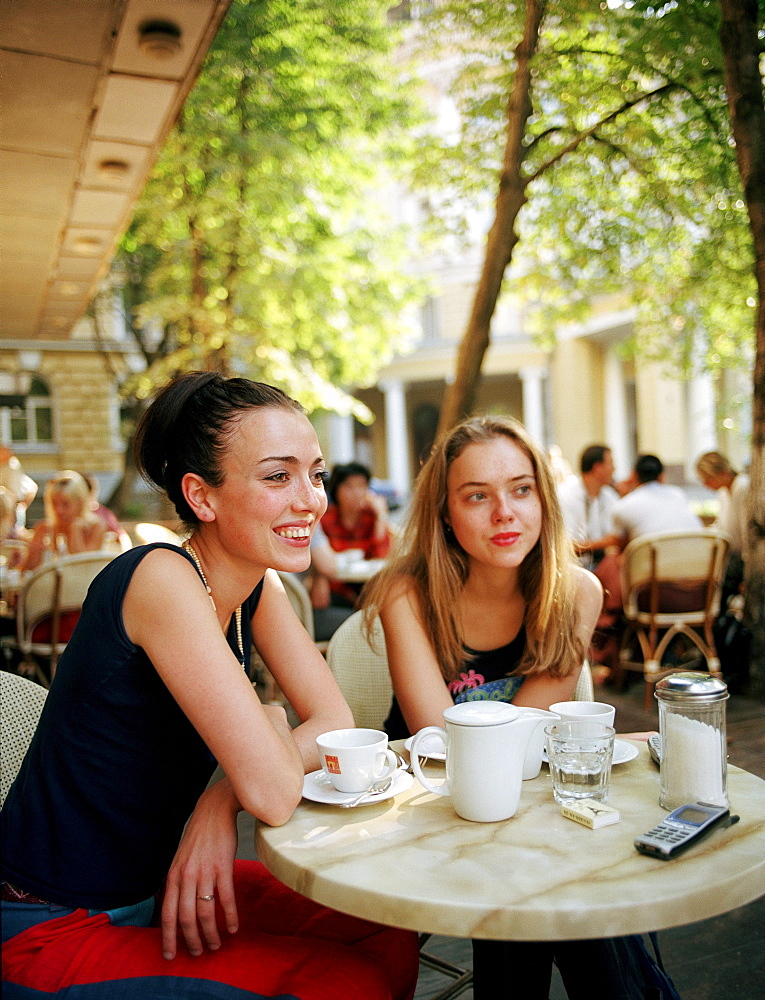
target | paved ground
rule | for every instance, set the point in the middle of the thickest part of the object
(718, 959)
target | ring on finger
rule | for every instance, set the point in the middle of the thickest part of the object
(207, 898)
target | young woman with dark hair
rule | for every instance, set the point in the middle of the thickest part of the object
(151, 692)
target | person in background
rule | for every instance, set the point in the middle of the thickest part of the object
(651, 506)
(22, 487)
(113, 805)
(356, 518)
(69, 525)
(716, 473)
(586, 503)
(483, 599)
(8, 529)
(107, 516)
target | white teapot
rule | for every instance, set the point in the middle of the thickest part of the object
(485, 744)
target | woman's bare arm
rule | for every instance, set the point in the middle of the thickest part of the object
(419, 685)
(299, 669)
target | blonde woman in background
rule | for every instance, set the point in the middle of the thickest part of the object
(69, 524)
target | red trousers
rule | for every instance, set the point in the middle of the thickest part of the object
(286, 947)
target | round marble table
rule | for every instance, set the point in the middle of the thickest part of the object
(412, 862)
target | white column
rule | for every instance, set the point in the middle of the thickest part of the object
(396, 437)
(533, 403)
(616, 416)
(702, 435)
(340, 436)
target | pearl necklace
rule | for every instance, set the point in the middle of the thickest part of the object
(186, 544)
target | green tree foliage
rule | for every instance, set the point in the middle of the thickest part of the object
(263, 243)
(624, 164)
(741, 38)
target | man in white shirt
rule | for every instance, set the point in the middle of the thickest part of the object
(587, 502)
(652, 506)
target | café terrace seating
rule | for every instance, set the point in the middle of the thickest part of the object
(48, 604)
(671, 585)
(22, 702)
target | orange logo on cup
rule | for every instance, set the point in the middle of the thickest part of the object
(333, 765)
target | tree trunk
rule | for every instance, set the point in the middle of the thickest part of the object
(502, 238)
(741, 53)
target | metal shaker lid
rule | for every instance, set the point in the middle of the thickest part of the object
(693, 687)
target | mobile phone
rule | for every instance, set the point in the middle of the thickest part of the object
(654, 748)
(683, 828)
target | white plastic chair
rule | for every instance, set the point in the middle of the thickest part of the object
(21, 702)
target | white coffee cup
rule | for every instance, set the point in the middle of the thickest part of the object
(585, 711)
(532, 762)
(354, 759)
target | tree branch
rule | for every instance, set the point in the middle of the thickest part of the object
(606, 120)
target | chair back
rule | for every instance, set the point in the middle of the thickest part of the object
(49, 603)
(674, 576)
(21, 702)
(299, 599)
(361, 671)
(147, 531)
(57, 587)
(585, 689)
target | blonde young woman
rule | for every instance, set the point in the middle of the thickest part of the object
(484, 598)
(69, 525)
(484, 588)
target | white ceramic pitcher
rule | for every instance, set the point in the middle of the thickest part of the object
(485, 744)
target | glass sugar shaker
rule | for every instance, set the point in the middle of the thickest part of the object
(694, 755)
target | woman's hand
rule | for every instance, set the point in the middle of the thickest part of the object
(203, 866)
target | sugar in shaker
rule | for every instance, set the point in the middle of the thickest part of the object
(693, 742)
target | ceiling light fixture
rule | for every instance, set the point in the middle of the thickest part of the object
(159, 39)
(113, 169)
(88, 246)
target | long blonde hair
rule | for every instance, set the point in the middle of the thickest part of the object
(429, 554)
(70, 484)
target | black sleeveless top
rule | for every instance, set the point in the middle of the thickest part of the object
(115, 767)
(485, 676)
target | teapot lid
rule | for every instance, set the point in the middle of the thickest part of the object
(481, 713)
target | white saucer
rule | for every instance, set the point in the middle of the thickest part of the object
(623, 751)
(318, 788)
(424, 752)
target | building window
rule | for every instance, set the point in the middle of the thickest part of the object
(430, 319)
(26, 410)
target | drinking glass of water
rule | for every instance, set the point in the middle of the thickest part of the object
(580, 755)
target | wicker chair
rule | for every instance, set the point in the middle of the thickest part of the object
(47, 595)
(671, 584)
(21, 702)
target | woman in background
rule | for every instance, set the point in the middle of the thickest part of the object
(69, 525)
(357, 518)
